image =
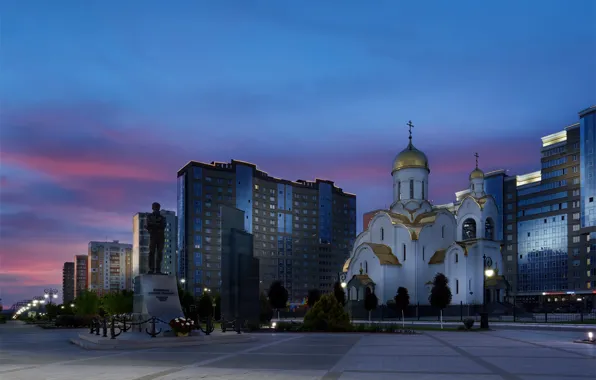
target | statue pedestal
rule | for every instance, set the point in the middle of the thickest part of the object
(156, 296)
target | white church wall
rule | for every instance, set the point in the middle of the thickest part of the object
(403, 177)
(364, 237)
(456, 271)
(469, 209)
(382, 230)
(390, 283)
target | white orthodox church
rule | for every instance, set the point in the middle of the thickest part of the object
(412, 241)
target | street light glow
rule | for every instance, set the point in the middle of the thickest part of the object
(489, 272)
(343, 284)
(590, 336)
(183, 280)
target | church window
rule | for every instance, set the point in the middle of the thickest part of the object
(404, 255)
(423, 190)
(456, 286)
(423, 249)
(469, 229)
(470, 284)
(456, 258)
(366, 267)
(399, 191)
(442, 231)
(489, 229)
(382, 233)
(411, 189)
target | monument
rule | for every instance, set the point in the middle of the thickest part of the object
(156, 294)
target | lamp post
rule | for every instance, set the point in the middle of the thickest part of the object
(50, 293)
(487, 272)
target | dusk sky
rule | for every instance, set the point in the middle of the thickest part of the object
(103, 101)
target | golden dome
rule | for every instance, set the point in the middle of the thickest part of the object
(410, 158)
(477, 174)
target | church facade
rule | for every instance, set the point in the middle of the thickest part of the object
(412, 241)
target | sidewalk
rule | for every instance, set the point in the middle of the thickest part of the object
(527, 325)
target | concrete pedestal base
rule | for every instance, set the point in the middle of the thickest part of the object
(156, 296)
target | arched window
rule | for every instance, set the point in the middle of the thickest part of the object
(411, 189)
(469, 229)
(456, 258)
(399, 191)
(423, 190)
(442, 231)
(423, 252)
(366, 267)
(382, 233)
(404, 253)
(489, 229)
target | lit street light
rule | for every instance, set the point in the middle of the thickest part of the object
(50, 294)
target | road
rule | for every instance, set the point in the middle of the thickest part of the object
(27, 352)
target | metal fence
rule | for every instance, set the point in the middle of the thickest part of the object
(498, 312)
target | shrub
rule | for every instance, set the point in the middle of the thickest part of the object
(313, 296)
(278, 295)
(339, 293)
(266, 312)
(327, 315)
(468, 323)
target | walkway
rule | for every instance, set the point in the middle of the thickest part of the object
(31, 353)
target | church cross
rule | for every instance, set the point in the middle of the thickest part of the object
(410, 126)
(476, 155)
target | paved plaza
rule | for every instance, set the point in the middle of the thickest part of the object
(27, 352)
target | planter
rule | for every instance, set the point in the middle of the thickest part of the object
(182, 334)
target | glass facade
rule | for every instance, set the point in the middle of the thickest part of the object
(181, 205)
(494, 186)
(588, 169)
(325, 210)
(542, 250)
(244, 201)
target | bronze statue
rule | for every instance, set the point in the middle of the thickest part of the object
(156, 225)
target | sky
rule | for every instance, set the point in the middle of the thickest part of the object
(103, 101)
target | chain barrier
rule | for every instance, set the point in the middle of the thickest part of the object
(122, 323)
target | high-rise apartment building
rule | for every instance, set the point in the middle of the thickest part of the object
(302, 230)
(81, 274)
(548, 252)
(68, 282)
(110, 266)
(140, 243)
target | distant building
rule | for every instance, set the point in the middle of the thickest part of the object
(367, 217)
(110, 266)
(81, 274)
(302, 230)
(68, 282)
(240, 270)
(549, 220)
(140, 243)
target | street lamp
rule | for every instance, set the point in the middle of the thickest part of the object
(343, 285)
(50, 293)
(182, 280)
(488, 272)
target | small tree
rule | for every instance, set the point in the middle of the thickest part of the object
(266, 312)
(313, 296)
(217, 311)
(402, 300)
(440, 295)
(278, 296)
(370, 302)
(205, 306)
(52, 310)
(87, 303)
(327, 315)
(118, 302)
(339, 293)
(187, 300)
